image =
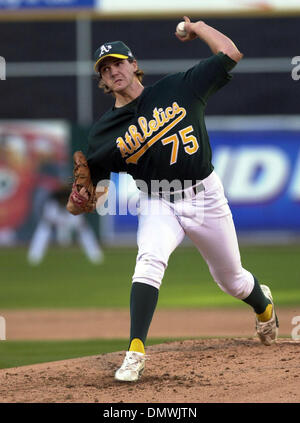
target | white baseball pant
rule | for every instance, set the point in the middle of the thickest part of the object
(206, 219)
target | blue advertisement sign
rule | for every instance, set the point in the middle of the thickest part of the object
(45, 4)
(260, 171)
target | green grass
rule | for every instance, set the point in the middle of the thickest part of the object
(65, 279)
(22, 353)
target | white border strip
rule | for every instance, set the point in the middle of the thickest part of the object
(199, 5)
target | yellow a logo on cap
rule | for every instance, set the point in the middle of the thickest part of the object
(104, 49)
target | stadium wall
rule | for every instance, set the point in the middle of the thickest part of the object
(49, 64)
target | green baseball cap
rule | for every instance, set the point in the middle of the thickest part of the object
(114, 49)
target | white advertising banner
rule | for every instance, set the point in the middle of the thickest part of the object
(197, 5)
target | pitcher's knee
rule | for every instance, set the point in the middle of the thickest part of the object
(149, 269)
(237, 284)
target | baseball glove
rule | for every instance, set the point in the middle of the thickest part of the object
(82, 198)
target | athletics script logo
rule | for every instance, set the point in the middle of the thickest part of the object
(2, 69)
(2, 329)
(137, 141)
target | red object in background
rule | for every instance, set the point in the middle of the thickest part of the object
(31, 154)
(15, 195)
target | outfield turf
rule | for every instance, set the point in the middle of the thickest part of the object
(66, 279)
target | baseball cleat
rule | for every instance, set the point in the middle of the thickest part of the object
(132, 367)
(268, 331)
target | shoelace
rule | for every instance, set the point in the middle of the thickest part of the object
(132, 361)
(265, 327)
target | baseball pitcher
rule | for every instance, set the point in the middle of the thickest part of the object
(157, 134)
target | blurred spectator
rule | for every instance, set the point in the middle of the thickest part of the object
(57, 222)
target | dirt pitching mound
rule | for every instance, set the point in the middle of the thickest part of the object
(218, 370)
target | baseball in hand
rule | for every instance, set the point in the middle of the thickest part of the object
(180, 29)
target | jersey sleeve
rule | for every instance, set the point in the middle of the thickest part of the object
(98, 171)
(99, 174)
(210, 74)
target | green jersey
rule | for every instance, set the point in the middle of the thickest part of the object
(161, 135)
